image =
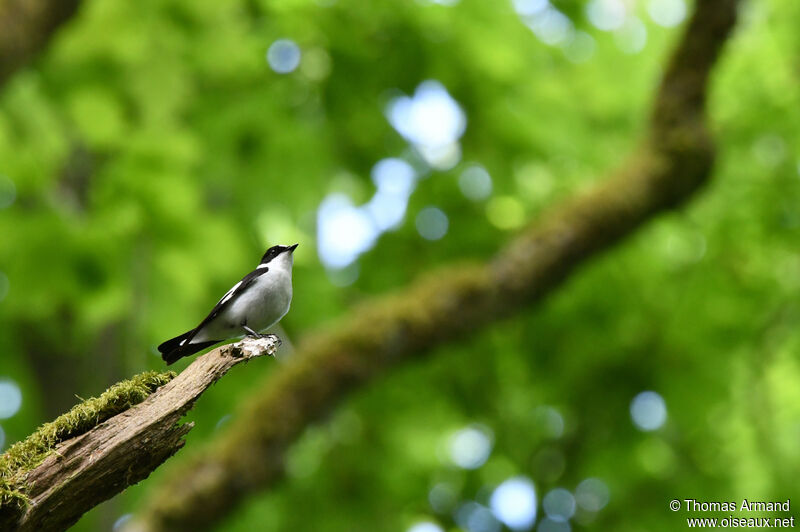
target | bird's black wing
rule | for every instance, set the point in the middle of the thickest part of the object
(237, 290)
(181, 345)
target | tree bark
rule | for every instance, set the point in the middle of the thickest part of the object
(86, 470)
(26, 26)
(673, 162)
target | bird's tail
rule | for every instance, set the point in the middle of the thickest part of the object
(180, 346)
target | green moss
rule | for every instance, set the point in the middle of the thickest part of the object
(26, 455)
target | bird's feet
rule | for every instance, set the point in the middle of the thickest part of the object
(251, 333)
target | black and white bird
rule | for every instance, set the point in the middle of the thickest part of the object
(255, 303)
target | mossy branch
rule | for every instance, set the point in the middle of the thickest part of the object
(22, 457)
(672, 163)
(105, 444)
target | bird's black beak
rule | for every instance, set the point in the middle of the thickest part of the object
(291, 248)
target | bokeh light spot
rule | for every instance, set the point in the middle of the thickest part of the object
(425, 526)
(316, 65)
(386, 209)
(283, 56)
(505, 212)
(592, 494)
(395, 180)
(667, 13)
(559, 504)
(632, 37)
(475, 182)
(442, 498)
(581, 48)
(471, 446)
(550, 421)
(606, 15)
(432, 121)
(431, 117)
(432, 223)
(343, 231)
(8, 192)
(394, 176)
(648, 411)
(443, 157)
(475, 517)
(514, 503)
(551, 26)
(10, 398)
(528, 8)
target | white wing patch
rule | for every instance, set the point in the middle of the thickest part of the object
(230, 292)
(262, 266)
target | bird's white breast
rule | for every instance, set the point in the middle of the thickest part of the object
(260, 306)
(263, 303)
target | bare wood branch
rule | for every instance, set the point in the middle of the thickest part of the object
(88, 469)
(26, 26)
(674, 161)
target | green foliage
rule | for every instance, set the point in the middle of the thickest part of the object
(23, 456)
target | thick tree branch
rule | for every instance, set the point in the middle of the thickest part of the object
(674, 160)
(26, 27)
(83, 471)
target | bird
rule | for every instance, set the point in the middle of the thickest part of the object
(254, 304)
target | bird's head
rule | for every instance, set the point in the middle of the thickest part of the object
(275, 252)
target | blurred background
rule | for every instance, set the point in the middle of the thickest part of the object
(153, 151)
